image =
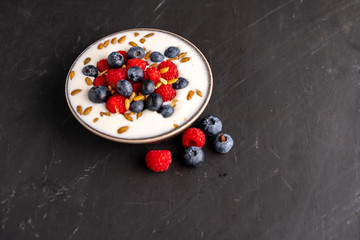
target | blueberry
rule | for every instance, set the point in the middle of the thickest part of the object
(135, 74)
(98, 94)
(137, 106)
(136, 52)
(153, 102)
(90, 70)
(180, 83)
(211, 125)
(156, 57)
(172, 52)
(223, 143)
(124, 88)
(166, 111)
(115, 60)
(147, 87)
(194, 156)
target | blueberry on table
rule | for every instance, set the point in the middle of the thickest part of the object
(98, 94)
(136, 52)
(90, 70)
(223, 143)
(135, 74)
(172, 52)
(153, 102)
(124, 88)
(180, 83)
(147, 87)
(166, 111)
(211, 125)
(137, 106)
(156, 57)
(194, 156)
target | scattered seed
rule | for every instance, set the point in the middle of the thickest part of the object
(88, 81)
(104, 72)
(163, 81)
(154, 65)
(190, 95)
(112, 92)
(176, 126)
(122, 129)
(222, 138)
(124, 66)
(186, 59)
(87, 60)
(181, 55)
(122, 39)
(164, 70)
(147, 55)
(72, 75)
(132, 44)
(107, 114)
(133, 94)
(173, 104)
(131, 113)
(76, 91)
(110, 88)
(142, 40)
(101, 114)
(127, 104)
(172, 81)
(113, 41)
(173, 59)
(79, 109)
(149, 35)
(138, 98)
(138, 115)
(87, 111)
(158, 85)
(95, 120)
(100, 46)
(106, 43)
(128, 117)
(198, 92)
(136, 34)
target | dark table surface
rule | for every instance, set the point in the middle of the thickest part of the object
(286, 85)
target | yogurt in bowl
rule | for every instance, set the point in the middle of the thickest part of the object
(150, 126)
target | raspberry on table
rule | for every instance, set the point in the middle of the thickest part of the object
(193, 137)
(136, 62)
(158, 160)
(166, 92)
(171, 73)
(154, 74)
(115, 75)
(100, 81)
(103, 65)
(116, 104)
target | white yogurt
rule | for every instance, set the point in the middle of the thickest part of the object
(150, 124)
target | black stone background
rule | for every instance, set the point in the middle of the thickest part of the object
(286, 85)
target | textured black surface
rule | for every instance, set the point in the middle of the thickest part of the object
(286, 87)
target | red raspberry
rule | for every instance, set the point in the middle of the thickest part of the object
(154, 74)
(146, 75)
(124, 54)
(193, 137)
(116, 104)
(166, 92)
(100, 81)
(136, 87)
(172, 73)
(115, 75)
(102, 65)
(158, 160)
(136, 62)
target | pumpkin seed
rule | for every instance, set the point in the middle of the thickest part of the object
(127, 104)
(132, 44)
(154, 65)
(149, 35)
(122, 129)
(76, 91)
(198, 92)
(164, 70)
(173, 59)
(138, 98)
(163, 81)
(138, 115)
(122, 39)
(87, 60)
(190, 95)
(128, 117)
(87, 111)
(72, 75)
(79, 109)
(136, 34)
(95, 120)
(181, 55)
(106, 43)
(133, 94)
(147, 55)
(100, 46)
(142, 40)
(113, 41)
(186, 59)
(176, 126)
(172, 81)
(88, 81)
(158, 85)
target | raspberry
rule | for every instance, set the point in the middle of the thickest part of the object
(166, 92)
(116, 104)
(136, 87)
(100, 81)
(158, 160)
(193, 137)
(124, 54)
(136, 62)
(102, 65)
(171, 73)
(115, 75)
(154, 74)
(146, 75)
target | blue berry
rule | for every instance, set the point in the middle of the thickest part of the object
(172, 52)
(135, 74)
(153, 102)
(124, 88)
(98, 94)
(194, 156)
(166, 111)
(211, 125)
(90, 70)
(223, 143)
(115, 60)
(147, 87)
(180, 83)
(156, 57)
(137, 106)
(136, 52)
